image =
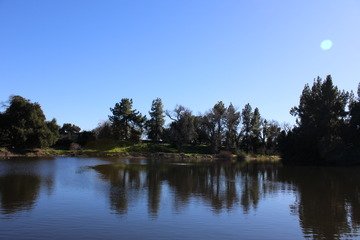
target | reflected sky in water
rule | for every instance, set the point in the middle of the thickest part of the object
(86, 198)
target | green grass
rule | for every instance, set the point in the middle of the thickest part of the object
(111, 148)
(142, 148)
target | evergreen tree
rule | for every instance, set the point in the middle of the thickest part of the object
(155, 125)
(247, 116)
(354, 122)
(232, 122)
(321, 114)
(127, 123)
(255, 130)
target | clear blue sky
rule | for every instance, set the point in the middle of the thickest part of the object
(77, 58)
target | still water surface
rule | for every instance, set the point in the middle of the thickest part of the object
(88, 198)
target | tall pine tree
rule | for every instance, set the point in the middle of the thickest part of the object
(127, 123)
(155, 125)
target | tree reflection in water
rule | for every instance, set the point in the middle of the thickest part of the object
(21, 183)
(328, 199)
(222, 186)
(18, 192)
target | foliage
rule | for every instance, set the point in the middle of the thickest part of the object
(127, 123)
(155, 125)
(103, 131)
(245, 133)
(255, 131)
(353, 136)
(69, 129)
(182, 129)
(232, 121)
(23, 125)
(214, 122)
(321, 120)
(270, 136)
(85, 137)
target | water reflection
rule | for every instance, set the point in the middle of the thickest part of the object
(222, 186)
(327, 199)
(326, 205)
(18, 192)
(328, 202)
(20, 184)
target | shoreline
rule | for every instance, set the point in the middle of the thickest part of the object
(5, 154)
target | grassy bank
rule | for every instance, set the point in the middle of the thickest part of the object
(150, 150)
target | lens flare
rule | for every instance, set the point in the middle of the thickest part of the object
(326, 45)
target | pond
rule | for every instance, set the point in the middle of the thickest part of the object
(90, 198)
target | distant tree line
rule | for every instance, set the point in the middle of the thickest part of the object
(220, 128)
(327, 127)
(23, 125)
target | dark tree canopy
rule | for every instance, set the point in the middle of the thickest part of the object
(69, 128)
(182, 129)
(214, 121)
(270, 136)
(321, 121)
(69, 133)
(354, 124)
(103, 131)
(23, 125)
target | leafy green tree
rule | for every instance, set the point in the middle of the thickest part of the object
(182, 129)
(208, 127)
(69, 128)
(24, 125)
(70, 131)
(103, 131)
(85, 137)
(201, 130)
(155, 125)
(53, 131)
(127, 123)
(232, 121)
(214, 122)
(218, 116)
(270, 134)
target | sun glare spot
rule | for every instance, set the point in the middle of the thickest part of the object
(326, 44)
